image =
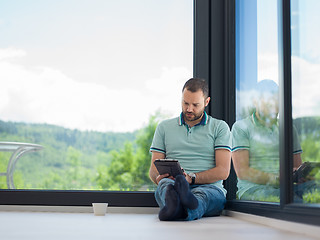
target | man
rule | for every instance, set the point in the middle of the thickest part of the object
(202, 146)
(255, 150)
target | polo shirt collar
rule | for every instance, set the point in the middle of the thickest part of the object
(203, 121)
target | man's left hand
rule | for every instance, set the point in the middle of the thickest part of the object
(188, 178)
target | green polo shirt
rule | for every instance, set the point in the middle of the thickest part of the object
(193, 147)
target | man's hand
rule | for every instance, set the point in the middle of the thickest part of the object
(153, 172)
(188, 178)
(159, 177)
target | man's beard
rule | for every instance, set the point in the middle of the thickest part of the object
(194, 118)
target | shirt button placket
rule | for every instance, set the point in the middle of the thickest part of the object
(188, 132)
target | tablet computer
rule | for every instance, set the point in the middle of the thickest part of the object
(170, 166)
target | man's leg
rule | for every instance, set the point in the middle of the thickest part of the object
(168, 201)
(300, 190)
(160, 193)
(188, 200)
(211, 202)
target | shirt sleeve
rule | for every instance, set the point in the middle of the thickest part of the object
(223, 139)
(158, 142)
(240, 139)
(296, 142)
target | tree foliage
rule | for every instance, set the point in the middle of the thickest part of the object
(77, 160)
(129, 167)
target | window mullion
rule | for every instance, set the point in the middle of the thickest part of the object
(285, 104)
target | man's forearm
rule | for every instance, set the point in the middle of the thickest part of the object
(259, 177)
(153, 173)
(212, 175)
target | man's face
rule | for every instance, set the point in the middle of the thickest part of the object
(193, 104)
(268, 108)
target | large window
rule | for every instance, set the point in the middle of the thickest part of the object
(256, 133)
(83, 85)
(243, 48)
(305, 94)
(276, 130)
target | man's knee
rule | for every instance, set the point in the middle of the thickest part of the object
(165, 181)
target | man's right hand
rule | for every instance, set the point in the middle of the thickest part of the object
(159, 177)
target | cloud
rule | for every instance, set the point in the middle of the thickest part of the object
(46, 95)
(268, 67)
(9, 53)
(165, 91)
(305, 88)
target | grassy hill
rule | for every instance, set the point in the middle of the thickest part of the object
(67, 155)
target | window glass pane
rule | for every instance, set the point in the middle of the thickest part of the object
(305, 97)
(256, 132)
(83, 85)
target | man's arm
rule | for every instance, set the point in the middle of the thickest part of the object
(297, 161)
(219, 172)
(153, 172)
(243, 170)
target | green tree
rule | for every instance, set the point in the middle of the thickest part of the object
(117, 176)
(129, 168)
(311, 148)
(141, 165)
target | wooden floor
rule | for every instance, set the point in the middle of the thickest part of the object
(86, 226)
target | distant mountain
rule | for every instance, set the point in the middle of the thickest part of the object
(70, 159)
(59, 137)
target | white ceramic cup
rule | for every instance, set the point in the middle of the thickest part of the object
(99, 209)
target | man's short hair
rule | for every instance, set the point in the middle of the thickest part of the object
(267, 89)
(196, 84)
(267, 86)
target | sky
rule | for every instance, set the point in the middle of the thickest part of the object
(306, 58)
(108, 65)
(103, 65)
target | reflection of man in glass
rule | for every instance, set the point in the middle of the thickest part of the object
(255, 142)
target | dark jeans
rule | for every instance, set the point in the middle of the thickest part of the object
(211, 199)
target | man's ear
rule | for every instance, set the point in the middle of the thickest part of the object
(207, 101)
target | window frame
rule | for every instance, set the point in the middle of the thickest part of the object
(214, 60)
(286, 209)
(77, 198)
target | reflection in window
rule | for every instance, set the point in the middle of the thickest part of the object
(88, 80)
(305, 94)
(256, 132)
